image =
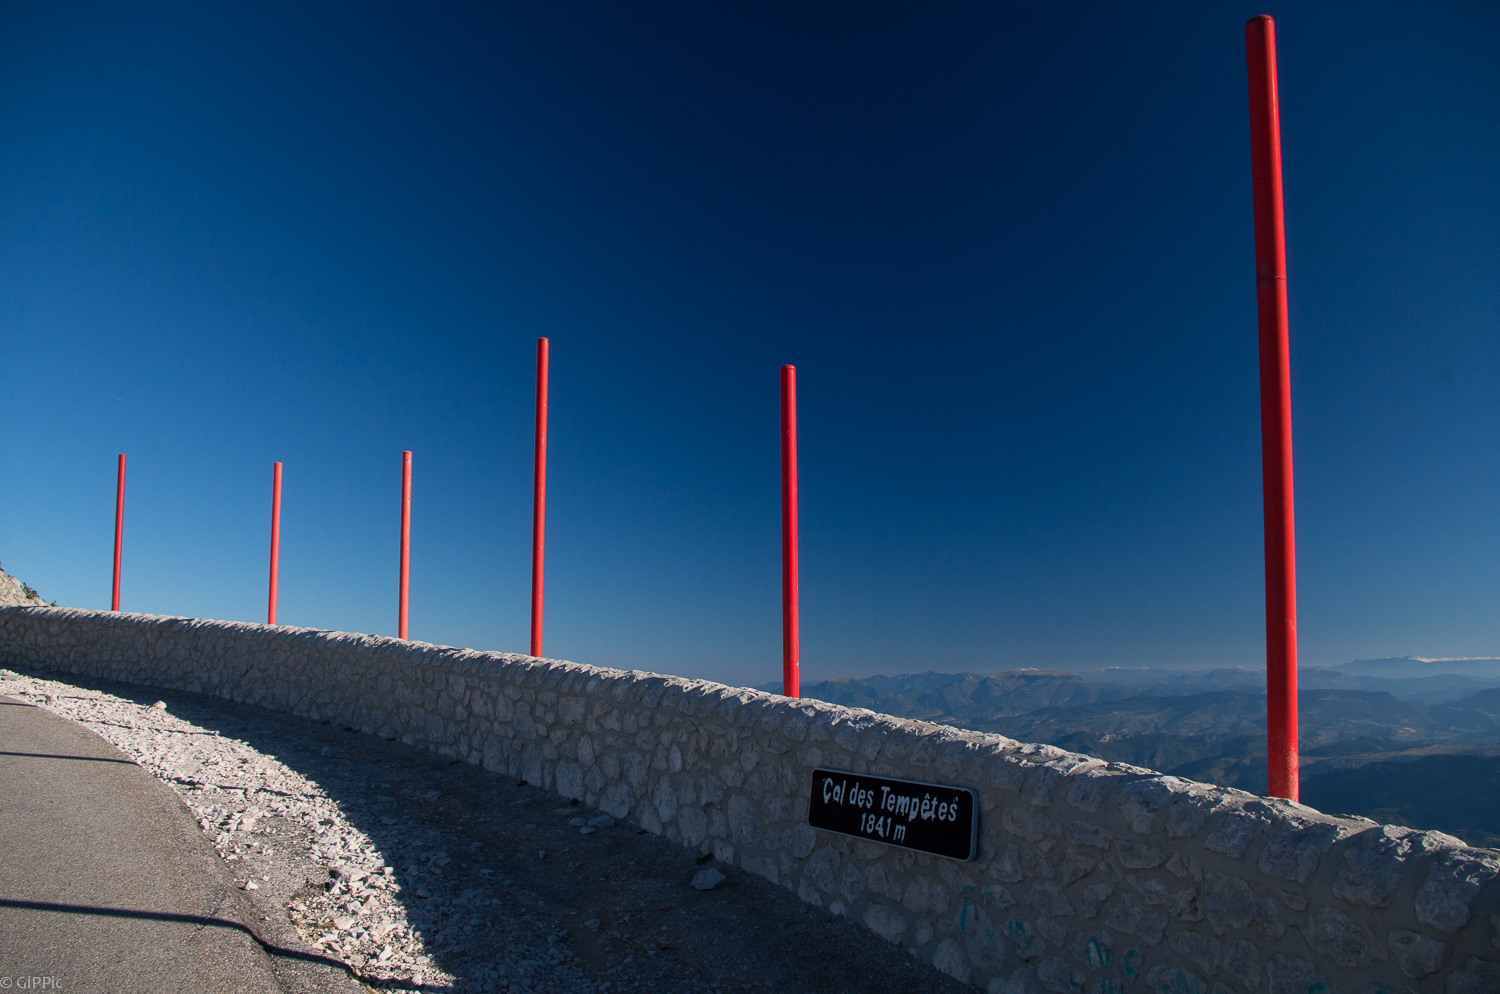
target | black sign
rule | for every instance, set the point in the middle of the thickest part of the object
(927, 817)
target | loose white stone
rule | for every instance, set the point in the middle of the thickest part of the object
(707, 879)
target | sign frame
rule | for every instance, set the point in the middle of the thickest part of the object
(842, 811)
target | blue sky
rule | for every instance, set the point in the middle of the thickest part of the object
(1008, 248)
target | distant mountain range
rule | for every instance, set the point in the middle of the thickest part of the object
(1408, 677)
(1409, 737)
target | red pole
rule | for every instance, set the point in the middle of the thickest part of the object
(275, 540)
(114, 597)
(790, 642)
(1275, 410)
(539, 498)
(405, 538)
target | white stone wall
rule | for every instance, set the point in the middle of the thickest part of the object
(1092, 877)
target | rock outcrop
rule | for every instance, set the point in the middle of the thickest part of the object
(14, 593)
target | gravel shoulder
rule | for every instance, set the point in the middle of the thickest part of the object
(422, 873)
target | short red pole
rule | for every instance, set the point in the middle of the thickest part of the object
(539, 499)
(275, 540)
(1275, 410)
(405, 539)
(114, 597)
(790, 648)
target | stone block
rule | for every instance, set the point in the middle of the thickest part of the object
(1076, 866)
(1006, 773)
(851, 882)
(1234, 836)
(1477, 977)
(1294, 854)
(1029, 825)
(1184, 905)
(1203, 950)
(822, 869)
(1048, 899)
(1417, 955)
(1174, 980)
(1231, 906)
(1081, 833)
(885, 921)
(693, 823)
(950, 959)
(617, 800)
(1007, 866)
(924, 895)
(1094, 949)
(799, 840)
(636, 771)
(1057, 975)
(570, 779)
(1038, 787)
(1137, 855)
(664, 797)
(1242, 964)
(1023, 936)
(1348, 943)
(1022, 981)
(1088, 789)
(881, 882)
(1293, 975)
(1134, 916)
(1452, 884)
(1093, 897)
(1035, 864)
(1142, 803)
(1055, 932)
(981, 937)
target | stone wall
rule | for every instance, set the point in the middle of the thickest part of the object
(1092, 877)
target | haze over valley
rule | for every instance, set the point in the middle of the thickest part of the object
(1405, 740)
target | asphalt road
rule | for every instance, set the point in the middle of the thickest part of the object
(107, 885)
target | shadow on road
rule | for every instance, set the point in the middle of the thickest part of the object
(202, 921)
(509, 894)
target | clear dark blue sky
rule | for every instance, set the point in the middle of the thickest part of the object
(1008, 248)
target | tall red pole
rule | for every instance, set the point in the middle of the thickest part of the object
(539, 499)
(275, 540)
(114, 597)
(790, 640)
(1275, 410)
(405, 538)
